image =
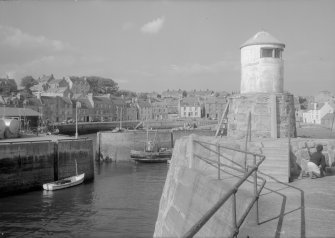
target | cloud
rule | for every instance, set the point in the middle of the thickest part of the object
(196, 68)
(15, 38)
(18, 47)
(154, 26)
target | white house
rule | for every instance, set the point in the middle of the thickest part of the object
(190, 107)
(318, 112)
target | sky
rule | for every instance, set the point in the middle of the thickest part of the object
(148, 45)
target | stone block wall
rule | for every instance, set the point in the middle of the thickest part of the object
(25, 166)
(72, 151)
(117, 146)
(192, 187)
(261, 106)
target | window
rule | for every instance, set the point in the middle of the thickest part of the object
(271, 53)
(278, 53)
(266, 52)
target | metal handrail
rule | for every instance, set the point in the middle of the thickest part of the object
(232, 192)
(230, 148)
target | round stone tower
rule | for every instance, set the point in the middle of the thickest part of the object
(262, 96)
(262, 67)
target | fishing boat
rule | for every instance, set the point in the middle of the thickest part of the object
(150, 155)
(65, 183)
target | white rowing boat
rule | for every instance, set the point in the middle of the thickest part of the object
(65, 183)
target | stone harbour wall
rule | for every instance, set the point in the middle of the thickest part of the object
(192, 187)
(261, 107)
(27, 165)
(72, 151)
(116, 146)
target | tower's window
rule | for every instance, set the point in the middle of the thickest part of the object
(270, 53)
(266, 52)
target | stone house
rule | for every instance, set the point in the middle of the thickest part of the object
(159, 110)
(85, 111)
(78, 85)
(104, 109)
(144, 110)
(119, 108)
(214, 107)
(57, 109)
(131, 112)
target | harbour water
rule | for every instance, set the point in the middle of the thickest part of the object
(122, 201)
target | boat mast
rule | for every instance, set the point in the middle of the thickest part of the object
(76, 167)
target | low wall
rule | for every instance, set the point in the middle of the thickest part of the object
(72, 151)
(27, 165)
(116, 146)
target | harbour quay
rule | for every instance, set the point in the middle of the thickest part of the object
(27, 163)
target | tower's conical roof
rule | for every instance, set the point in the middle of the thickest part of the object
(263, 38)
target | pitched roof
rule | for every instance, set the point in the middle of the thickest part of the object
(15, 111)
(102, 99)
(328, 116)
(263, 38)
(190, 101)
(84, 103)
(143, 104)
(57, 90)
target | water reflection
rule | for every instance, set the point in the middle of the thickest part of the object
(122, 201)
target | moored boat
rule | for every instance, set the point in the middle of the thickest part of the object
(151, 156)
(65, 183)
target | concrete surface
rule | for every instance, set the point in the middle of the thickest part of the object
(303, 208)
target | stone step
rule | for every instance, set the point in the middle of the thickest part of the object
(276, 164)
(274, 144)
(275, 149)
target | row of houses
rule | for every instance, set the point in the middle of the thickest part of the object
(89, 108)
(60, 100)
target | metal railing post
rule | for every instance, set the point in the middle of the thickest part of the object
(255, 189)
(234, 213)
(219, 161)
(246, 142)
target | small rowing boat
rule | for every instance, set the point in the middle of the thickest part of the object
(65, 183)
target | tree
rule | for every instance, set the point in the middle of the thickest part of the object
(303, 103)
(7, 86)
(100, 85)
(28, 81)
(184, 94)
(125, 93)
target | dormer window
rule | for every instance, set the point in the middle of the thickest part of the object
(271, 53)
